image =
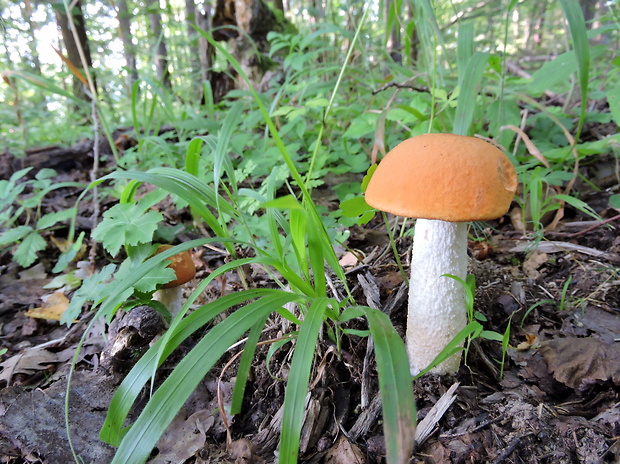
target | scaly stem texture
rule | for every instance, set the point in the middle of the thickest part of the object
(437, 311)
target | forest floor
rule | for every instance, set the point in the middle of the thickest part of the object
(557, 399)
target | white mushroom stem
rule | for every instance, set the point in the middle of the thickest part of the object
(437, 311)
(170, 298)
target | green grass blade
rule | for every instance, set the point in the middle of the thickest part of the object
(465, 48)
(299, 377)
(192, 156)
(138, 443)
(299, 232)
(221, 160)
(316, 240)
(469, 93)
(243, 371)
(47, 85)
(112, 431)
(577, 25)
(395, 387)
(275, 217)
(429, 34)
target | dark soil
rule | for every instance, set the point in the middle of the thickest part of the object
(555, 398)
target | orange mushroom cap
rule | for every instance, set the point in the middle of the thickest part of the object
(449, 177)
(182, 265)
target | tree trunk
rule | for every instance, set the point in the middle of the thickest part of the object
(393, 42)
(129, 50)
(589, 11)
(279, 4)
(161, 55)
(205, 49)
(536, 23)
(415, 40)
(256, 19)
(192, 35)
(71, 46)
(32, 40)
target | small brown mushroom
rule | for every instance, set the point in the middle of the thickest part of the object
(170, 293)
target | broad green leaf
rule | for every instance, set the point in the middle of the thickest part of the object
(362, 125)
(285, 202)
(126, 224)
(66, 257)
(51, 219)
(368, 176)
(404, 115)
(318, 102)
(299, 232)
(465, 48)
(613, 99)
(15, 234)
(26, 252)
(355, 207)
(578, 204)
(221, 158)
(491, 335)
(160, 274)
(319, 247)
(553, 73)
(90, 290)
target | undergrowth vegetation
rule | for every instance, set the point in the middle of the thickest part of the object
(246, 168)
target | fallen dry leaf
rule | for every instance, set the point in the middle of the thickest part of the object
(52, 309)
(344, 452)
(348, 260)
(184, 437)
(27, 362)
(533, 263)
(581, 362)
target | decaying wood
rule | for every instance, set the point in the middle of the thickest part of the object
(366, 420)
(63, 159)
(371, 292)
(427, 425)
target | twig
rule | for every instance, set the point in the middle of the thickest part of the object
(556, 247)
(510, 448)
(595, 226)
(417, 88)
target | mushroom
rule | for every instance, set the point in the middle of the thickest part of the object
(444, 180)
(170, 293)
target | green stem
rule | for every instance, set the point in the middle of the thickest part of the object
(394, 250)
